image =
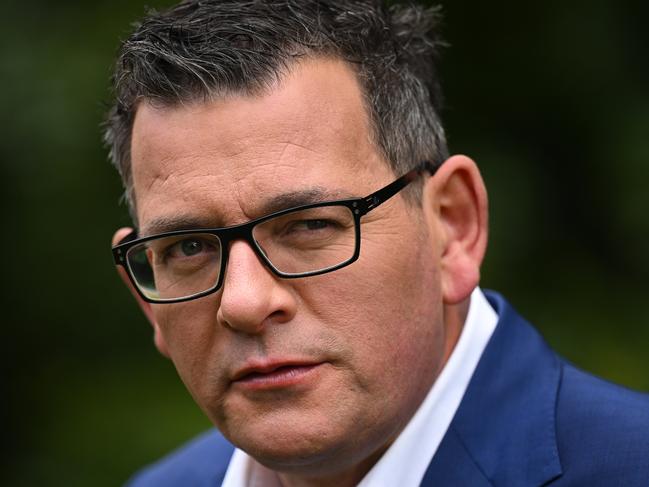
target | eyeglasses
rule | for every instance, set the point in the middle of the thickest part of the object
(297, 242)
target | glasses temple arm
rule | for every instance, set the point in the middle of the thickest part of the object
(384, 194)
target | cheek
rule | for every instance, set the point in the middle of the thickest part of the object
(386, 308)
(189, 331)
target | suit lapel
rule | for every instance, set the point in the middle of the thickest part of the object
(454, 466)
(503, 433)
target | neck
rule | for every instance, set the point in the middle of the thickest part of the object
(454, 318)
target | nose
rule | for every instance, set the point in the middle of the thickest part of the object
(252, 297)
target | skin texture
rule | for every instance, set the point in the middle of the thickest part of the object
(380, 329)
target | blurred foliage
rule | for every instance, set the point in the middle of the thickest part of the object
(551, 98)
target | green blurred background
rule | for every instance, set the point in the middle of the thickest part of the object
(551, 98)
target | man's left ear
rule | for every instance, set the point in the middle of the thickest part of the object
(456, 210)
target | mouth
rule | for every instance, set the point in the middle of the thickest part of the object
(275, 375)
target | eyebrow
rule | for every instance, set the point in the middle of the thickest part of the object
(279, 202)
(299, 198)
(166, 224)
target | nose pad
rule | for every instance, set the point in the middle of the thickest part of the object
(251, 295)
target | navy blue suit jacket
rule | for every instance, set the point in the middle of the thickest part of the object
(527, 419)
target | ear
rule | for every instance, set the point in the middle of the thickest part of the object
(456, 209)
(146, 307)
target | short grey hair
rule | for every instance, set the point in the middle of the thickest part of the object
(201, 49)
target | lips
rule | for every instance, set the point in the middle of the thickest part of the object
(274, 374)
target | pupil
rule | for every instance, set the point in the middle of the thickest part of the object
(192, 247)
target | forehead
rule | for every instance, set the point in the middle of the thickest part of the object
(221, 161)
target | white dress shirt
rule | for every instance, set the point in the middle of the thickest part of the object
(405, 462)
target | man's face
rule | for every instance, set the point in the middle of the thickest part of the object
(304, 374)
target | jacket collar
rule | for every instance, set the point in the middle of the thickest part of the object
(504, 430)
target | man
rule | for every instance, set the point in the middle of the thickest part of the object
(308, 256)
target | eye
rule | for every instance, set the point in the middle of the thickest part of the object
(309, 226)
(313, 224)
(190, 247)
(306, 228)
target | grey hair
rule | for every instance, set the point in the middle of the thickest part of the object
(202, 49)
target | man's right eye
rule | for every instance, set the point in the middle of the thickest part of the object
(188, 248)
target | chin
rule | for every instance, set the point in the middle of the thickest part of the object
(289, 444)
(311, 445)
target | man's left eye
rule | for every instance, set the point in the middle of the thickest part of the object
(315, 224)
